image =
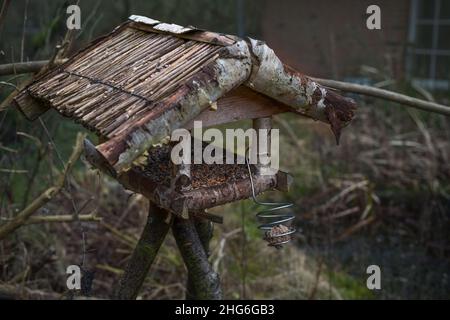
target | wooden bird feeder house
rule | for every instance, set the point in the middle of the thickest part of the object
(146, 78)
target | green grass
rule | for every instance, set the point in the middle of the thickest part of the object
(350, 287)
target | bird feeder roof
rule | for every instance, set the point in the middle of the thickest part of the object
(137, 84)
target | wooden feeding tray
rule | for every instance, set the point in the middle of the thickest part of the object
(210, 185)
(159, 169)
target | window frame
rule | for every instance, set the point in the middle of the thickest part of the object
(433, 53)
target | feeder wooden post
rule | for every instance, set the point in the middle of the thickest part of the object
(204, 230)
(203, 281)
(262, 127)
(193, 235)
(155, 231)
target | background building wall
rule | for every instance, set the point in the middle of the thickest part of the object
(330, 38)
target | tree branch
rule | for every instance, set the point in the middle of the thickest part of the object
(16, 292)
(3, 11)
(63, 218)
(25, 67)
(46, 196)
(35, 66)
(386, 95)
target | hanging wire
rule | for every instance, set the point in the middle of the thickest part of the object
(277, 226)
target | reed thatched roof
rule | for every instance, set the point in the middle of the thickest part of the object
(122, 77)
(134, 86)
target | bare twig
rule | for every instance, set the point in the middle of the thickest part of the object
(3, 11)
(312, 294)
(64, 48)
(16, 292)
(109, 268)
(23, 216)
(386, 95)
(12, 170)
(64, 218)
(126, 239)
(22, 43)
(220, 248)
(4, 83)
(358, 226)
(7, 149)
(42, 151)
(25, 67)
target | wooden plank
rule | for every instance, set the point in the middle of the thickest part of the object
(241, 103)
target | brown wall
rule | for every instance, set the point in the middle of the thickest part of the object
(326, 38)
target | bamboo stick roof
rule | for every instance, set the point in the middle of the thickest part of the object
(134, 86)
(122, 78)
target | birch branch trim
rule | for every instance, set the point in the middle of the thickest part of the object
(271, 77)
(386, 95)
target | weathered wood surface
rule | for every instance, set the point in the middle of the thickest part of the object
(204, 282)
(241, 103)
(215, 79)
(263, 126)
(194, 34)
(209, 185)
(204, 229)
(202, 198)
(274, 79)
(157, 226)
(105, 92)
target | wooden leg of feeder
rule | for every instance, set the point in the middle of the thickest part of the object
(203, 281)
(204, 230)
(144, 254)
